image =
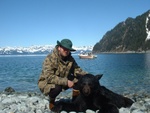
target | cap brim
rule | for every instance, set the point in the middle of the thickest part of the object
(72, 49)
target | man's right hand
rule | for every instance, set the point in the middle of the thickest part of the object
(70, 84)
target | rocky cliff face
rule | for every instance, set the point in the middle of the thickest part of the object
(131, 35)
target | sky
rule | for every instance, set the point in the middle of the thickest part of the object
(42, 22)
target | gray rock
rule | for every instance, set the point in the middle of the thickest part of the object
(38, 103)
(9, 90)
(124, 110)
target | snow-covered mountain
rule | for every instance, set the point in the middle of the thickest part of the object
(45, 49)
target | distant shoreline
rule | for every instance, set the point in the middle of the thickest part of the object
(24, 55)
(127, 52)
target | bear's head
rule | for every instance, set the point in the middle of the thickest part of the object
(89, 83)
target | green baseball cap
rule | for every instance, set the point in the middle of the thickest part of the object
(66, 43)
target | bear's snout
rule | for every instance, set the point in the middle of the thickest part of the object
(86, 90)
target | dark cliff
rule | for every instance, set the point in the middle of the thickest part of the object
(131, 35)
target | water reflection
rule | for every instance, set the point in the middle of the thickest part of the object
(122, 72)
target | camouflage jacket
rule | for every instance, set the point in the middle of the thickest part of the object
(56, 71)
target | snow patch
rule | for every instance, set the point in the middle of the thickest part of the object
(147, 30)
(35, 49)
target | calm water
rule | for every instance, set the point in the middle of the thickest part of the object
(121, 72)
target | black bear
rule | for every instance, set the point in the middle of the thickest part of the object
(95, 97)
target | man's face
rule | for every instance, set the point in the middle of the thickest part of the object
(63, 51)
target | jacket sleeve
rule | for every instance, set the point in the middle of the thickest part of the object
(50, 66)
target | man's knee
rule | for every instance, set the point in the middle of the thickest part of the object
(55, 91)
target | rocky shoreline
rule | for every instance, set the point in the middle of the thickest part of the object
(126, 52)
(33, 102)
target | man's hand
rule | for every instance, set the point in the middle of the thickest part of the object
(70, 84)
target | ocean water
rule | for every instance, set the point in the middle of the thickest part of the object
(122, 73)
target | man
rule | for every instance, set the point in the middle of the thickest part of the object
(59, 72)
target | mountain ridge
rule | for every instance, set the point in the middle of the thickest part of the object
(35, 49)
(133, 35)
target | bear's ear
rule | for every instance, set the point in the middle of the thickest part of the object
(99, 76)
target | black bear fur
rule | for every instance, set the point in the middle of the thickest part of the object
(95, 97)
